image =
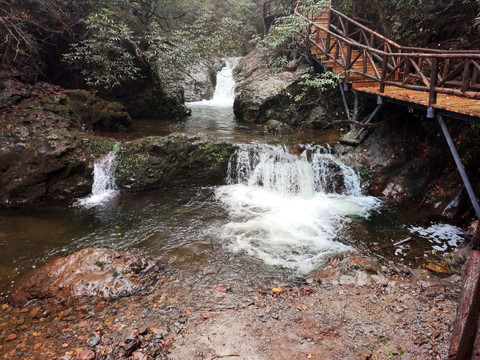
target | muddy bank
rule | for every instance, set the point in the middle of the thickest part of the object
(351, 308)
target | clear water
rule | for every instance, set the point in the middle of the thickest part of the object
(285, 210)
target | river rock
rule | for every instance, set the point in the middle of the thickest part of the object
(277, 127)
(174, 160)
(146, 99)
(105, 273)
(200, 80)
(45, 154)
(263, 94)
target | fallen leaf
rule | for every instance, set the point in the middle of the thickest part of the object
(82, 323)
(37, 346)
(4, 306)
(36, 334)
(11, 337)
(219, 289)
(277, 290)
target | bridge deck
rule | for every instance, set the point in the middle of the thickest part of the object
(365, 72)
(451, 103)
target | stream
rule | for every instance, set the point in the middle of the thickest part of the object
(288, 205)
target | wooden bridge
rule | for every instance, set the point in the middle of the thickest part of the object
(441, 82)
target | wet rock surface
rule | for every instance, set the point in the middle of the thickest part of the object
(351, 308)
(174, 160)
(200, 80)
(45, 154)
(263, 95)
(103, 273)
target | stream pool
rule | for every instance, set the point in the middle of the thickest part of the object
(275, 221)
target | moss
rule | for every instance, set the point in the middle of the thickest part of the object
(217, 153)
(99, 145)
(31, 106)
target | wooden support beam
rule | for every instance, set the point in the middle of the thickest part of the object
(466, 322)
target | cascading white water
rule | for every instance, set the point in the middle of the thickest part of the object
(103, 187)
(225, 88)
(290, 210)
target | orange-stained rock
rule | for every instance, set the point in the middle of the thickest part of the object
(90, 272)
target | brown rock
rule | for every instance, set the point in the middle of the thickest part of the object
(86, 355)
(139, 355)
(89, 272)
(35, 313)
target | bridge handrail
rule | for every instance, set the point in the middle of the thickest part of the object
(455, 72)
(389, 41)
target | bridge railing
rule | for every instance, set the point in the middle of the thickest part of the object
(360, 50)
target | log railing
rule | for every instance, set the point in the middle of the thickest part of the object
(359, 50)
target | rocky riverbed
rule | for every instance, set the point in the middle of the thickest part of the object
(350, 308)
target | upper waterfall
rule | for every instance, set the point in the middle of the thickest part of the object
(225, 89)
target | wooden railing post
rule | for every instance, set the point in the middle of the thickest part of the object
(433, 82)
(466, 76)
(384, 71)
(348, 62)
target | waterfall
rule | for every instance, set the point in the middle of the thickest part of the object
(103, 187)
(290, 210)
(225, 89)
(316, 170)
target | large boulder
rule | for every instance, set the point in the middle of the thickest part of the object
(263, 94)
(105, 273)
(174, 160)
(145, 99)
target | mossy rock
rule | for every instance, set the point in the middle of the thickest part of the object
(175, 160)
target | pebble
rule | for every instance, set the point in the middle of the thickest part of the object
(94, 339)
(139, 355)
(34, 313)
(86, 355)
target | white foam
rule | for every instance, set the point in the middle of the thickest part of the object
(441, 235)
(280, 209)
(103, 188)
(224, 94)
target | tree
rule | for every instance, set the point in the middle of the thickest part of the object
(162, 35)
(447, 23)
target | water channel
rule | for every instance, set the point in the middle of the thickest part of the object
(282, 213)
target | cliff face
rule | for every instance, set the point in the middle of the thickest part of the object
(45, 151)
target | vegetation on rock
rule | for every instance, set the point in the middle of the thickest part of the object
(174, 160)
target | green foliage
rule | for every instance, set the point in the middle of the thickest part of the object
(102, 57)
(168, 37)
(282, 38)
(314, 83)
(419, 22)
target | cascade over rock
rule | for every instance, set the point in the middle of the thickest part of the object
(200, 80)
(45, 154)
